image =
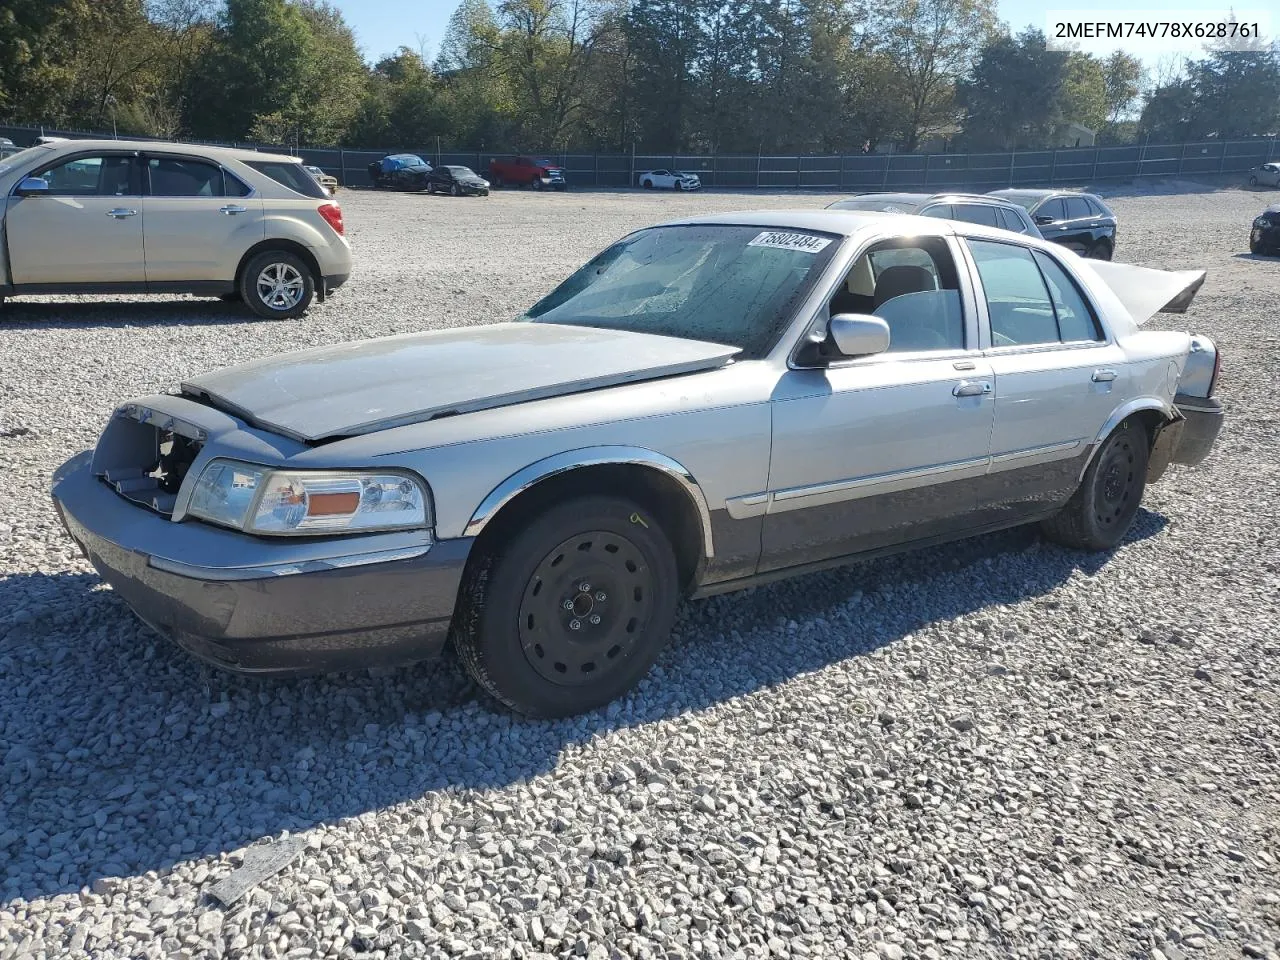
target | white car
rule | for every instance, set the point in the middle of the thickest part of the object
(670, 180)
(1265, 175)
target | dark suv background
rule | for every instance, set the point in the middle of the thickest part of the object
(1080, 221)
(969, 207)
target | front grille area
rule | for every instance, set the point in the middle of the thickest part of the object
(144, 457)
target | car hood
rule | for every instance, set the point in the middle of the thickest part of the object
(357, 388)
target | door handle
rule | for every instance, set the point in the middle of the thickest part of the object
(232, 209)
(1103, 376)
(971, 388)
(121, 212)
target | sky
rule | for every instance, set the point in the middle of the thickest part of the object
(382, 26)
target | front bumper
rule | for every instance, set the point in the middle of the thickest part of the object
(293, 613)
(1265, 238)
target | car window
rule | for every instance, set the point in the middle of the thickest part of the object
(977, 213)
(1010, 220)
(1077, 208)
(290, 175)
(940, 210)
(1017, 299)
(729, 284)
(914, 287)
(104, 176)
(660, 173)
(233, 186)
(1076, 321)
(1053, 209)
(180, 177)
(1098, 207)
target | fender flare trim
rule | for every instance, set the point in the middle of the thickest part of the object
(1118, 416)
(570, 460)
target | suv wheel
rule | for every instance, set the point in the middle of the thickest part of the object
(277, 285)
(571, 610)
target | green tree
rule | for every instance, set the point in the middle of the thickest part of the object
(1013, 98)
(1083, 97)
(932, 44)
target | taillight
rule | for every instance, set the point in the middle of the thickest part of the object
(332, 214)
(1217, 366)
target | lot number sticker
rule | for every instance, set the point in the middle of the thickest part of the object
(803, 242)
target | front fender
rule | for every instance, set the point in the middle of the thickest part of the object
(559, 463)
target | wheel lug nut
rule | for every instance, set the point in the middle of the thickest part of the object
(602, 596)
(584, 587)
(595, 619)
(568, 604)
(575, 624)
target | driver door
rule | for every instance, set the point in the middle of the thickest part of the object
(86, 229)
(889, 449)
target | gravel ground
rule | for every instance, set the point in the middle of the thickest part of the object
(995, 749)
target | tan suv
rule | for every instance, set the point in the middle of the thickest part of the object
(112, 216)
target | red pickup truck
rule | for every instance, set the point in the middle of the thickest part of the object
(526, 172)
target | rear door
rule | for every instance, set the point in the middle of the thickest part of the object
(1051, 218)
(1084, 226)
(200, 219)
(1058, 376)
(87, 229)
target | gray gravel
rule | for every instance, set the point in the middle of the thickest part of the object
(995, 749)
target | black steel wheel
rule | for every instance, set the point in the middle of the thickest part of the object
(1102, 509)
(570, 611)
(454, 191)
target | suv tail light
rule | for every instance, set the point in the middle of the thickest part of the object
(1217, 368)
(332, 214)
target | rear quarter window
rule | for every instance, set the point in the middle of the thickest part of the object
(291, 175)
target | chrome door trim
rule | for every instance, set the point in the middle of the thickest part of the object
(522, 480)
(837, 491)
(1041, 454)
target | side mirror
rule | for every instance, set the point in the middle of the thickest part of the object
(1042, 218)
(859, 334)
(32, 187)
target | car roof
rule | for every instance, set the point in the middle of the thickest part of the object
(164, 146)
(842, 222)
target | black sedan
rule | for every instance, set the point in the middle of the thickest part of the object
(1264, 238)
(400, 171)
(458, 181)
(1080, 221)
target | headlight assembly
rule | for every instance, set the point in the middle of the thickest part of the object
(258, 499)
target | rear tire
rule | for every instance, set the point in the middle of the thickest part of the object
(1253, 181)
(647, 184)
(454, 191)
(535, 640)
(277, 285)
(1102, 509)
(1100, 251)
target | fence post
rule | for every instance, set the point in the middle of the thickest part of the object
(1271, 150)
(757, 169)
(841, 184)
(595, 169)
(799, 171)
(1142, 157)
(342, 166)
(884, 181)
(927, 158)
(714, 181)
(1093, 173)
(632, 181)
(1222, 164)
(1053, 167)
(1012, 156)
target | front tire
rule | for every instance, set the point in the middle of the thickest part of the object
(277, 285)
(570, 611)
(1253, 181)
(454, 191)
(1102, 509)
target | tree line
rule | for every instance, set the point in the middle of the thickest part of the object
(788, 76)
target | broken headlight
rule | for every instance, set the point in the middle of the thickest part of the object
(299, 502)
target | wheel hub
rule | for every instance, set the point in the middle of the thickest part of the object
(584, 608)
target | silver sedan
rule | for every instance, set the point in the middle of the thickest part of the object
(704, 406)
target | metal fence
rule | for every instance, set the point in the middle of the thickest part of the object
(858, 172)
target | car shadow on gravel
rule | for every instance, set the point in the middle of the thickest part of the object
(119, 754)
(69, 314)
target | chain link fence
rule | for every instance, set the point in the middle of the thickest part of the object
(861, 172)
